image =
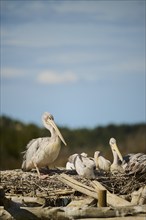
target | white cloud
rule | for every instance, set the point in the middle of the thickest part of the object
(52, 77)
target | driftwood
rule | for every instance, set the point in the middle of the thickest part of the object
(82, 203)
(104, 212)
(23, 213)
(112, 199)
(89, 191)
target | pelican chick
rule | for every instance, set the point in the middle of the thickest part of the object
(101, 162)
(84, 165)
(43, 151)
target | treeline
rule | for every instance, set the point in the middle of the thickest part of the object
(15, 135)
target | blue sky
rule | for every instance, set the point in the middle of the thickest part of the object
(83, 61)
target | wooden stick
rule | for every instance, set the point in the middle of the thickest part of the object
(102, 198)
(112, 199)
(89, 191)
(80, 203)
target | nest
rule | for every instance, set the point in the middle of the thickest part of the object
(61, 196)
(122, 184)
(17, 182)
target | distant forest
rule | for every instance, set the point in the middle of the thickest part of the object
(14, 136)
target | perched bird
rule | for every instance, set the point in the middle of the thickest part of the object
(130, 164)
(84, 165)
(101, 162)
(116, 166)
(43, 151)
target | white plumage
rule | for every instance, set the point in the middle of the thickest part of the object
(101, 162)
(135, 163)
(117, 158)
(130, 164)
(84, 165)
(70, 166)
(43, 151)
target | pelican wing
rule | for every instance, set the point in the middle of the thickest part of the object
(127, 158)
(136, 163)
(31, 149)
(71, 159)
(28, 146)
(70, 166)
(85, 166)
(104, 164)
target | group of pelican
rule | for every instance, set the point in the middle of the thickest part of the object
(41, 152)
(130, 164)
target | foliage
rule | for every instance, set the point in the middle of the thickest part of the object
(15, 135)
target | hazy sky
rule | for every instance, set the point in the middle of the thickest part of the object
(83, 61)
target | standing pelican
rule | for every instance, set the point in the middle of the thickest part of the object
(131, 163)
(101, 162)
(84, 165)
(43, 151)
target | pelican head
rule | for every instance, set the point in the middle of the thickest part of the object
(114, 147)
(48, 121)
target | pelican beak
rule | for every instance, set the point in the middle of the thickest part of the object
(115, 148)
(57, 131)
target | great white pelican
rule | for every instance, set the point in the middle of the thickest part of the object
(130, 164)
(43, 151)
